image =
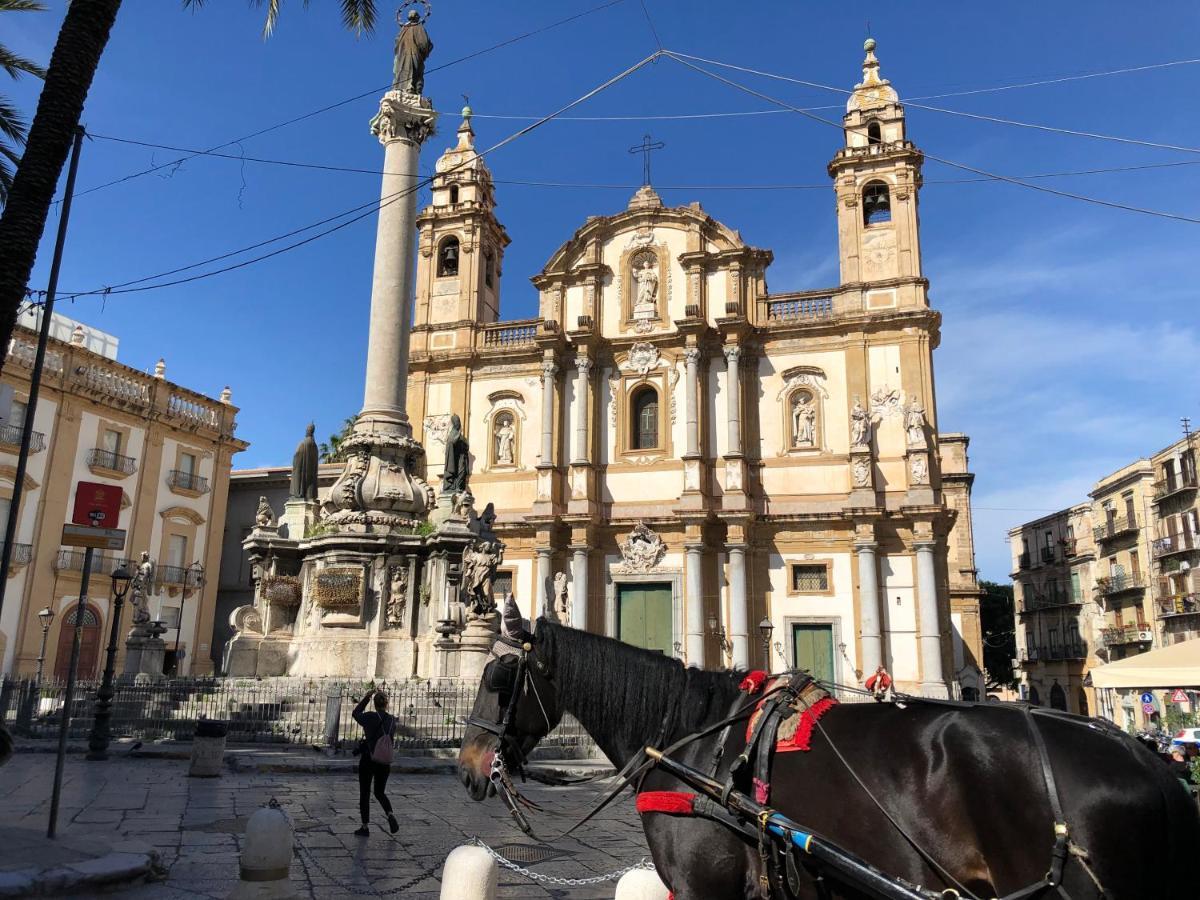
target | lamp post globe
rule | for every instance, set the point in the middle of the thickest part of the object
(101, 733)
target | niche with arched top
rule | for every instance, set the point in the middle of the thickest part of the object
(644, 419)
(877, 203)
(447, 257)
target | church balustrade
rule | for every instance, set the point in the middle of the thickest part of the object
(800, 309)
(510, 334)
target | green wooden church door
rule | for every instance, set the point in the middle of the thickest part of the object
(644, 616)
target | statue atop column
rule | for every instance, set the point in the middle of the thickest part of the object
(458, 459)
(304, 467)
(413, 47)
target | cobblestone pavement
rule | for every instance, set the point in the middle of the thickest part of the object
(198, 826)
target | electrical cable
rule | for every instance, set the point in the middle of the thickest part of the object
(630, 186)
(340, 103)
(649, 21)
(946, 162)
(129, 286)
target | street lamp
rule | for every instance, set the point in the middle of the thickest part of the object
(193, 573)
(101, 735)
(46, 616)
(766, 629)
(715, 629)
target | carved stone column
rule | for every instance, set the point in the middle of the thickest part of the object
(739, 611)
(583, 366)
(691, 393)
(549, 370)
(868, 607)
(694, 599)
(933, 683)
(579, 587)
(733, 354)
(543, 599)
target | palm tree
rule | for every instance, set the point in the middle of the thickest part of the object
(331, 450)
(12, 126)
(81, 42)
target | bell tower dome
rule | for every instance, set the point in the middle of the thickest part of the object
(877, 175)
(461, 242)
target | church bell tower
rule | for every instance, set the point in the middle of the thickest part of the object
(461, 242)
(877, 176)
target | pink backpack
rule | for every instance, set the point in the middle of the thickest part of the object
(384, 752)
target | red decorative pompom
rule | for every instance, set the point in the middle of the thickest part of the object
(753, 682)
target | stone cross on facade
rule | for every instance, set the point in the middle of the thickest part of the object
(646, 147)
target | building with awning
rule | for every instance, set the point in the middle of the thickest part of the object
(1161, 673)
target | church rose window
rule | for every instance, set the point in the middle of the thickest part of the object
(447, 263)
(877, 206)
(645, 419)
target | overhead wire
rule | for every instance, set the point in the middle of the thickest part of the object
(684, 60)
(324, 109)
(323, 167)
(138, 285)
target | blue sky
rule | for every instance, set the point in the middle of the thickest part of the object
(1069, 342)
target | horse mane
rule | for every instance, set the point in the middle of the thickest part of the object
(623, 694)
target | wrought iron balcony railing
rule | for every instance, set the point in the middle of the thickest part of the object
(1118, 584)
(106, 459)
(1048, 555)
(1115, 527)
(1174, 484)
(21, 553)
(11, 435)
(1174, 543)
(1037, 602)
(187, 481)
(1023, 560)
(1177, 605)
(1139, 633)
(102, 563)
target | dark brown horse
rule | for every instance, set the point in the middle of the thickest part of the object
(964, 783)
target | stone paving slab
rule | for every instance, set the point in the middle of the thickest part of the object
(32, 864)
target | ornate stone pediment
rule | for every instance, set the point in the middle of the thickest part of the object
(642, 358)
(803, 376)
(642, 551)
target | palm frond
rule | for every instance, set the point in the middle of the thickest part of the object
(7, 156)
(21, 6)
(16, 65)
(12, 126)
(272, 15)
(359, 16)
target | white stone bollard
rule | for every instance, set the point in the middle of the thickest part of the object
(641, 884)
(266, 857)
(470, 873)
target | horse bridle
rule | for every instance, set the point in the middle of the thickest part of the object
(520, 683)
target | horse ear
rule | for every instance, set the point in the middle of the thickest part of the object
(511, 624)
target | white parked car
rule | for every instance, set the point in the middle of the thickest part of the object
(1186, 736)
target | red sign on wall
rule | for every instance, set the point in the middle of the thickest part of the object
(96, 504)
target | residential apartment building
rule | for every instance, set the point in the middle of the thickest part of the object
(168, 449)
(1176, 543)
(1058, 613)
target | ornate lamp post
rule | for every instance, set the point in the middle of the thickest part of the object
(718, 631)
(100, 736)
(766, 629)
(194, 574)
(46, 616)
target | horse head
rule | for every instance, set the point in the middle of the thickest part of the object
(516, 706)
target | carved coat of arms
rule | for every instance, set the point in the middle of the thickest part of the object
(642, 550)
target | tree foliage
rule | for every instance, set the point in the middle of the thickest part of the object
(357, 15)
(331, 450)
(998, 621)
(12, 126)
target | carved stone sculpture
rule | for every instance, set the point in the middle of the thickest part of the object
(562, 603)
(464, 505)
(397, 595)
(914, 423)
(457, 469)
(804, 421)
(645, 275)
(642, 550)
(140, 588)
(265, 516)
(479, 563)
(643, 358)
(860, 425)
(919, 469)
(506, 436)
(862, 472)
(304, 467)
(413, 47)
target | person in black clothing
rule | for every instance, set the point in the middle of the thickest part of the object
(375, 723)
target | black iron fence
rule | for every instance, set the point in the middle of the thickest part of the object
(270, 710)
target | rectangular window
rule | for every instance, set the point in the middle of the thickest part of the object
(169, 616)
(1076, 592)
(1129, 509)
(17, 417)
(1049, 538)
(1187, 466)
(502, 585)
(1135, 564)
(810, 579)
(177, 550)
(111, 441)
(187, 463)
(5, 507)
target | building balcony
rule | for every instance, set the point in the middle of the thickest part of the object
(102, 564)
(1120, 584)
(1038, 602)
(21, 554)
(1071, 548)
(1023, 561)
(1120, 635)
(1053, 653)
(1177, 605)
(1115, 528)
(1176, 484)
(1183, 542)
(105, 462)
(170, 574)
(801, 308)
(187, 483)
(1047, 555)
(510, 335)
(10, 439)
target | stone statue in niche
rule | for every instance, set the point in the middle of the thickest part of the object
(804, 420)
(413, 47)
(397, 595)
(562, 603)
(141, 586)
(861, 472)
(919, 469)
(860, 425)
(304, 467)
(645, 276)
(458, 459)
(506, 436)
(914, 423)
(264, 517)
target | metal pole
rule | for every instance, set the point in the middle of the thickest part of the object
(42, 656)
(187, 573)
(66, 710)
(101, 735)
(35, 376)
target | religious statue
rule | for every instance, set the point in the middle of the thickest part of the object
(413, 47)
(505, 437)
(464, 505)
(265, 516)
(914, 423)
(804, 422)
(562, 603)
(458, 459)
(487, 520)
(646, 276)
(862, 472)
(141, 586)
(479, 563)
(860, 425)
(397, 595)
(919, 469)
(304, 467)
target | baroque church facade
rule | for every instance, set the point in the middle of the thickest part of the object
(679, 457)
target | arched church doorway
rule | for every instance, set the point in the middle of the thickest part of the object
(89, 644)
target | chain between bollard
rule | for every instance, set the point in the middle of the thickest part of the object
(356, 890)
(555, 879)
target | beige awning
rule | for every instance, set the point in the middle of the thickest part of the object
(1177, 666)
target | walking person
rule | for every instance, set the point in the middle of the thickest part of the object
(374, 759)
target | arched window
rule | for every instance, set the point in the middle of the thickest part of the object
(874, 135)
(489, 268)
(453, 193)
(1033, 696)
(1083, 704)
(877, 206)
(1058, 697)
(644, 430)
(447, 260)
(804, 418)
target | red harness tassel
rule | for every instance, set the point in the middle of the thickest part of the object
(675, 803)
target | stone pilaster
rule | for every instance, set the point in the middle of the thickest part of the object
(739, 607)
(694, 600)
(870, 637)
(933, 682)
(579, 586)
